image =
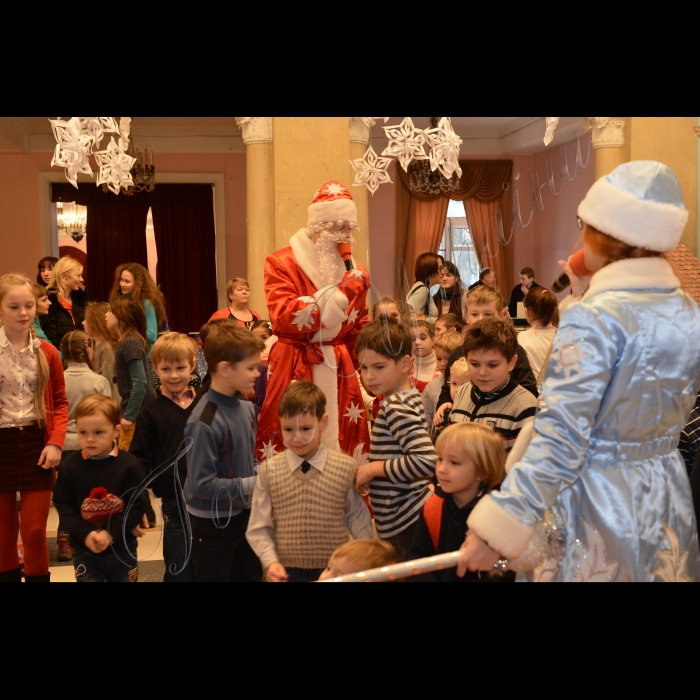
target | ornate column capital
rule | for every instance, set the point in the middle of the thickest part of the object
(255, 129)
(359, 130)
(606, 132)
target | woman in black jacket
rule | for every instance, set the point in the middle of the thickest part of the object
(68, 300)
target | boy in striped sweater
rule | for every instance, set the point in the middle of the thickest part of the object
(492, 395)
(403, 456)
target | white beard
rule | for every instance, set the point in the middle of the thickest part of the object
(331, 265)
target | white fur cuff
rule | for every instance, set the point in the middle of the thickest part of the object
(638, 222)
(332, 304)
(498, 529)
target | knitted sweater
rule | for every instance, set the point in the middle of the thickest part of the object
(504, 409)
(401, 440)
(309, 509)
(81, 381)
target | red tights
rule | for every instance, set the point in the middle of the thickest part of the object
(31, 522)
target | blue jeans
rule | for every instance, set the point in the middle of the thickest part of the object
(177, 543)
(302, 575)
(106, 566)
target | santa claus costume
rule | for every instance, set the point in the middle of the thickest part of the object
(317, 308)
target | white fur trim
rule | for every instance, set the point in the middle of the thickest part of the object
(332, 304)
(325, 377)
(521, 442)
(637, 222)
(633, 273)
(306, 255)
(500, 530)
(335, 210)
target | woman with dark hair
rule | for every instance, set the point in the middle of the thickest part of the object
(542, 313)
(427, 274)
(451, 298)
(45, 266)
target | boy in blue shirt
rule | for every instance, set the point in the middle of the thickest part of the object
(221, 470)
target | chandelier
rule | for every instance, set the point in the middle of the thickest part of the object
(143, 171)
(71, 220)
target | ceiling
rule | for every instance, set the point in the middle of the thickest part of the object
(481, 135)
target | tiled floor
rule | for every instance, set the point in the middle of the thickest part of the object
(150, 545)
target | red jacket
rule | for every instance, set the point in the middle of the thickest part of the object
(55, 397)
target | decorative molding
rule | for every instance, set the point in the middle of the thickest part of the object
(606, 132)
(255, 129)
(359, 130)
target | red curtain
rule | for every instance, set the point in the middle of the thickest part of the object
(183, 224)
(115, 231)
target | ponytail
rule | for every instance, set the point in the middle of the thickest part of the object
(542, 306)
(42, 378)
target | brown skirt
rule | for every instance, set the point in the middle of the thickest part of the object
(19, 453)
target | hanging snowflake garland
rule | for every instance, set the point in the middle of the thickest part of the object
(405, 143)
(73, 148)
(370, 170)
(444, 148)
(95, 128)
(115, 167)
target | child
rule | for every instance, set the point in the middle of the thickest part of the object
(33, 415)
(81, 381)
(311, 491)
(542, 313)
(425, 362)
(98, 496)
(386, 306)
(621, 380)
(158, 437)
(104, 340)
(125, 316)
(195, 381)
(493, 396)
(42, 308)
(458, 377)
(447, 322)
(263, 329)
(487, 302)
(221, 472)
(444, 344)
(359, 555)
(470, 464)
(403, 457)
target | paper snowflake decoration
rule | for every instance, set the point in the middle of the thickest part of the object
(405, 143)
(359, 456)
(115, 167)
(95, 128)
(590, 562)
(354, 413)
(353, 315)
(370, 170)
(304, 317)
(268, 450)
(672, 565)
(444, 148)
(551, 125)
(73, 148)
(569, 355)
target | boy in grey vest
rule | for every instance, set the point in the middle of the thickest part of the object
(311, 492)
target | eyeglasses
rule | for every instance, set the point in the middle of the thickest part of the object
(579, 222)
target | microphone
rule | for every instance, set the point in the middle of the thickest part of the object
(345, 250)
(578, 267)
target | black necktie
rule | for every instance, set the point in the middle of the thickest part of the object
(305, 466)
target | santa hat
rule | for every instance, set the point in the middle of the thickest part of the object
(639, 203)
(332, 202)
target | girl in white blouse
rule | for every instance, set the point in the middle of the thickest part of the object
(542, 313)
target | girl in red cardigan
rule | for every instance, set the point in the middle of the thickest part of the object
(33, 419)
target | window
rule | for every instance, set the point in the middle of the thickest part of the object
(456, 245)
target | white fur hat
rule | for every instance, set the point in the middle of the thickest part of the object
(639, 203)
(332, 202)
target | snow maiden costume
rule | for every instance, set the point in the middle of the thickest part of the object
(621, 381)
(317, 309)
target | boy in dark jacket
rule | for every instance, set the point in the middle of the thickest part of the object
(158, 445)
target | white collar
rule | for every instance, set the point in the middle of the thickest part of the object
(34, 343)
(318, 461)
(633, 273)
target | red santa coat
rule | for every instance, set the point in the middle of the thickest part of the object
(317, 328)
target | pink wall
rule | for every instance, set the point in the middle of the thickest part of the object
(382, 236)
(20, 236)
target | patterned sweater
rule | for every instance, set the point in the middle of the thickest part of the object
(504, 409)
(309, 509)
(401, 440)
